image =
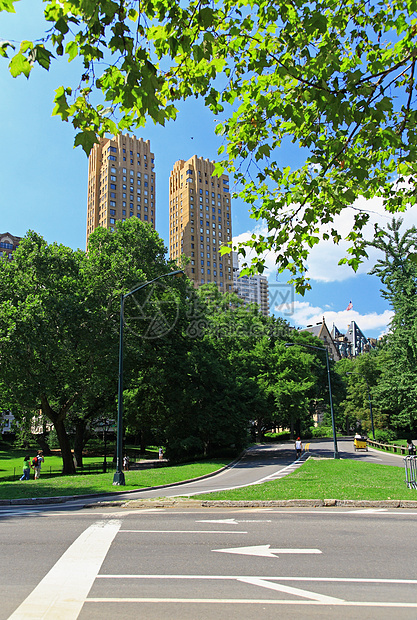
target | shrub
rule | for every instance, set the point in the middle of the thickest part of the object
(385, 435)
(321, 431)
(282, 436)
(307, 433)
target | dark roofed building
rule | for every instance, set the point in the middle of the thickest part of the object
(350, 344)
(320, 330)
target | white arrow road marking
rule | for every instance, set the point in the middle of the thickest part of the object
(279, 587)
(62, 592)
(266, 551)
(313, 598)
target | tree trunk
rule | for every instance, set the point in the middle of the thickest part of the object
(297, 428)
(142, 442)
(41, 441)
(79, 443)
(64, 444)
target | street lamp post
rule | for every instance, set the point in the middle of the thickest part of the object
(369, 399)
(310, 346)
(119, 477)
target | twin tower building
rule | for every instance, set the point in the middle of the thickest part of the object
(122, 184)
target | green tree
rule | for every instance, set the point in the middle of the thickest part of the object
(59, 321)
(246, 338)
(397, 391)
(310, 383)
(189, 396)
(361, 374)
(336, 80)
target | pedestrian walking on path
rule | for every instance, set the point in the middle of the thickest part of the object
(298, 447)
(37, 464)
(26, 468)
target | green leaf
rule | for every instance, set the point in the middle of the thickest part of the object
(3, 48)
(19, 64)
(42, 56)
(61, 108)
(7, 5)
(86, 139)
(72, 50)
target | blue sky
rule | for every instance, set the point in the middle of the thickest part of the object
(43, 186)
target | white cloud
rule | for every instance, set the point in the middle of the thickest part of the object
(301, 314)
(324, 257)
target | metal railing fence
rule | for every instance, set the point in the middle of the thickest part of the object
(411, 471)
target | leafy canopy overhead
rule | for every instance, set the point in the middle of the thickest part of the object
(336, 79)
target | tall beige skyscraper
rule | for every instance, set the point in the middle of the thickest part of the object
(200, 221)
(121, 182)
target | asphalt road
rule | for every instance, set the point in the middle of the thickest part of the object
(70, 561)
(209, 564)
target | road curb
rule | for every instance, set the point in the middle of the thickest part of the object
(285, 503)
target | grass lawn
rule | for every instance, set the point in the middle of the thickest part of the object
(329, 479)
(11, 463)
(79, 484)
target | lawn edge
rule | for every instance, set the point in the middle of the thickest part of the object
(287, 503)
